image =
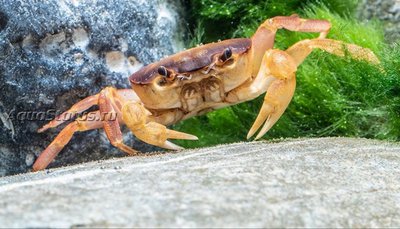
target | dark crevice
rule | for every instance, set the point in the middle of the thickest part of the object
(3, 20)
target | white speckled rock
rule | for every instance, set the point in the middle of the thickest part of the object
(387, 11)
(54, 53)
(331, 182)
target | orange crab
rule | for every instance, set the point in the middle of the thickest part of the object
(200, 80)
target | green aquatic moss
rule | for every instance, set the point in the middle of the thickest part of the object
(334, 96)
(241, 17)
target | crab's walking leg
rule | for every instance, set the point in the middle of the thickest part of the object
(109, 114)
(75, 109)
(295, 23)
(302, 49)
(264, 37)
(106, 117)
(135, 115)
(87, 122)
(86, 103)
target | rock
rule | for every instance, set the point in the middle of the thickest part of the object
(54, 53)
(331, 182)
(387, 11)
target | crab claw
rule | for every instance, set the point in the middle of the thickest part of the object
(275, 103)
(172, 134)
(157, 134)
(134, 115)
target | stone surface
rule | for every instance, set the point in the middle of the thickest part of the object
(387, 11)
(54, 53)
(331, 182)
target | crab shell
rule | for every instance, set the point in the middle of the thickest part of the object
(201, 81)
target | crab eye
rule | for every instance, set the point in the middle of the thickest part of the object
(226, 55)
(163, 71)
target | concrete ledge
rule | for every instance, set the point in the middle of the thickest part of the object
(330, 182)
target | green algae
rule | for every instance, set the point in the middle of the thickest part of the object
(334, 96)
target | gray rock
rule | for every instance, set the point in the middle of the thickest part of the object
(387, 11)
(331, 182)
(54, 53)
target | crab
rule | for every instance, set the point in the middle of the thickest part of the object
(200, 80)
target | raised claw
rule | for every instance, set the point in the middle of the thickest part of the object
(275, 103)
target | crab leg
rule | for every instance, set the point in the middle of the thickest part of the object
(109, 114)
(81, 124)
(295, 23)
(134, 116)
(106, 117)
(302, 49)
(75, 109)
(86, 103)
(264, 37)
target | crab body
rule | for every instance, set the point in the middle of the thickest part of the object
(200, 80)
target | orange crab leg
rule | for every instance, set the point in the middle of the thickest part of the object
(82, 124)
(115, 107)
(110, 121)
(86, 103)
(107, 117)
(75, 109)
(302, 49)
(295, 23)
(264, 37)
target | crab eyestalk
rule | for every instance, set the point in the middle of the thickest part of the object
(226, 55)
(166, 73)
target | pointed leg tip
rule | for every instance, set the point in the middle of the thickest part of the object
(173, 134)
(41, 130)
(264, 130)
(192, 137)
(249, 135)
(253, 130)
(37, 167)
(170, 145)
(44, 128)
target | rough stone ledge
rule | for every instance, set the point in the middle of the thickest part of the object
(328, 182)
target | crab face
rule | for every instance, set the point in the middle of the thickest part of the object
(195, 77)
